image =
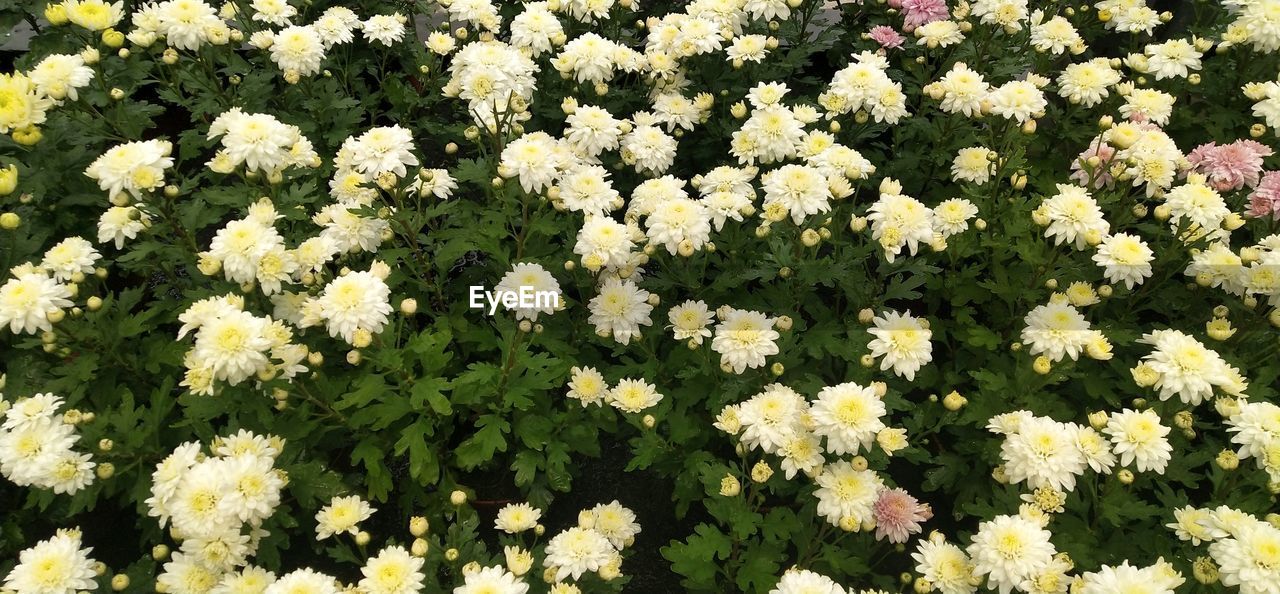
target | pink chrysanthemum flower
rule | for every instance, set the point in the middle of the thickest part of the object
(898, 515)
(1265, 199)
(922, 12)
(1230, 166)
(1102, 174)
(886, 37)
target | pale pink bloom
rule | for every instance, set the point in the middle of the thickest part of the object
(922, 12)
(1230, 166)
(886, 37)
(1265, 199)
(898, 515)
(1102, 175)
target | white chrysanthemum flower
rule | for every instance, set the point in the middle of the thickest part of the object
(298, 49)
(303, 580)
(1017, 100)
(603, 243)
(945, 566)
(744, 338)
(355, 301)
(577, 551)
(800, 190)
(899, 221)
(972, 165)
(679, 222)
(1056, 329)
(1195, 525)
(1055, 36)
(1185, 366)
(803, 581)
(254, 488)
(531, 279)
(71, 256)
(258, 141)
(1197, 211)
(1148, 105)
(121, 223)
(342, 515)
(772, 418)
(28, 300)
(1044, 453)
(587, 189)
(952, 216)
(385, 149)
(337, 25)
(1138, 438)
(273, 12)
(94, 15)
(1125, 258)
(392, 571)
(689, 321)
(59, 76)
(1172, 59)
(386, 29)
(901, 341)
(1073, 215)
(961, 89)
(846, 495)
(532, 158)
(849, 416)
(633, 395)
(1010, 549)
(748, 48)
(1256, 428)
(197, 504)
(515, 518)
(1250, 559)
(536, 29)
(649, 149)
(1126, 578)
(616, 522)
(619, 309)
(587, 386)
(1087, 83)
(132, 168)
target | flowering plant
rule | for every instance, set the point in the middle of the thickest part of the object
(783, 296)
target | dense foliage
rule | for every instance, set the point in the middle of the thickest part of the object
(916, 295)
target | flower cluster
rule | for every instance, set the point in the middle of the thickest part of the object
(36, 445)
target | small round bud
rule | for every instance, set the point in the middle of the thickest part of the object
(1126, 476)
(106, 470)
(730, 486)
(954, 401)
(419, 547)
(1227, 460)
(418, 525)
(458, 497)
(783, 323)
(119, 582)
(451, 554)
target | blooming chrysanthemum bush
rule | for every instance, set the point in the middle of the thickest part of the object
(570, 296)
